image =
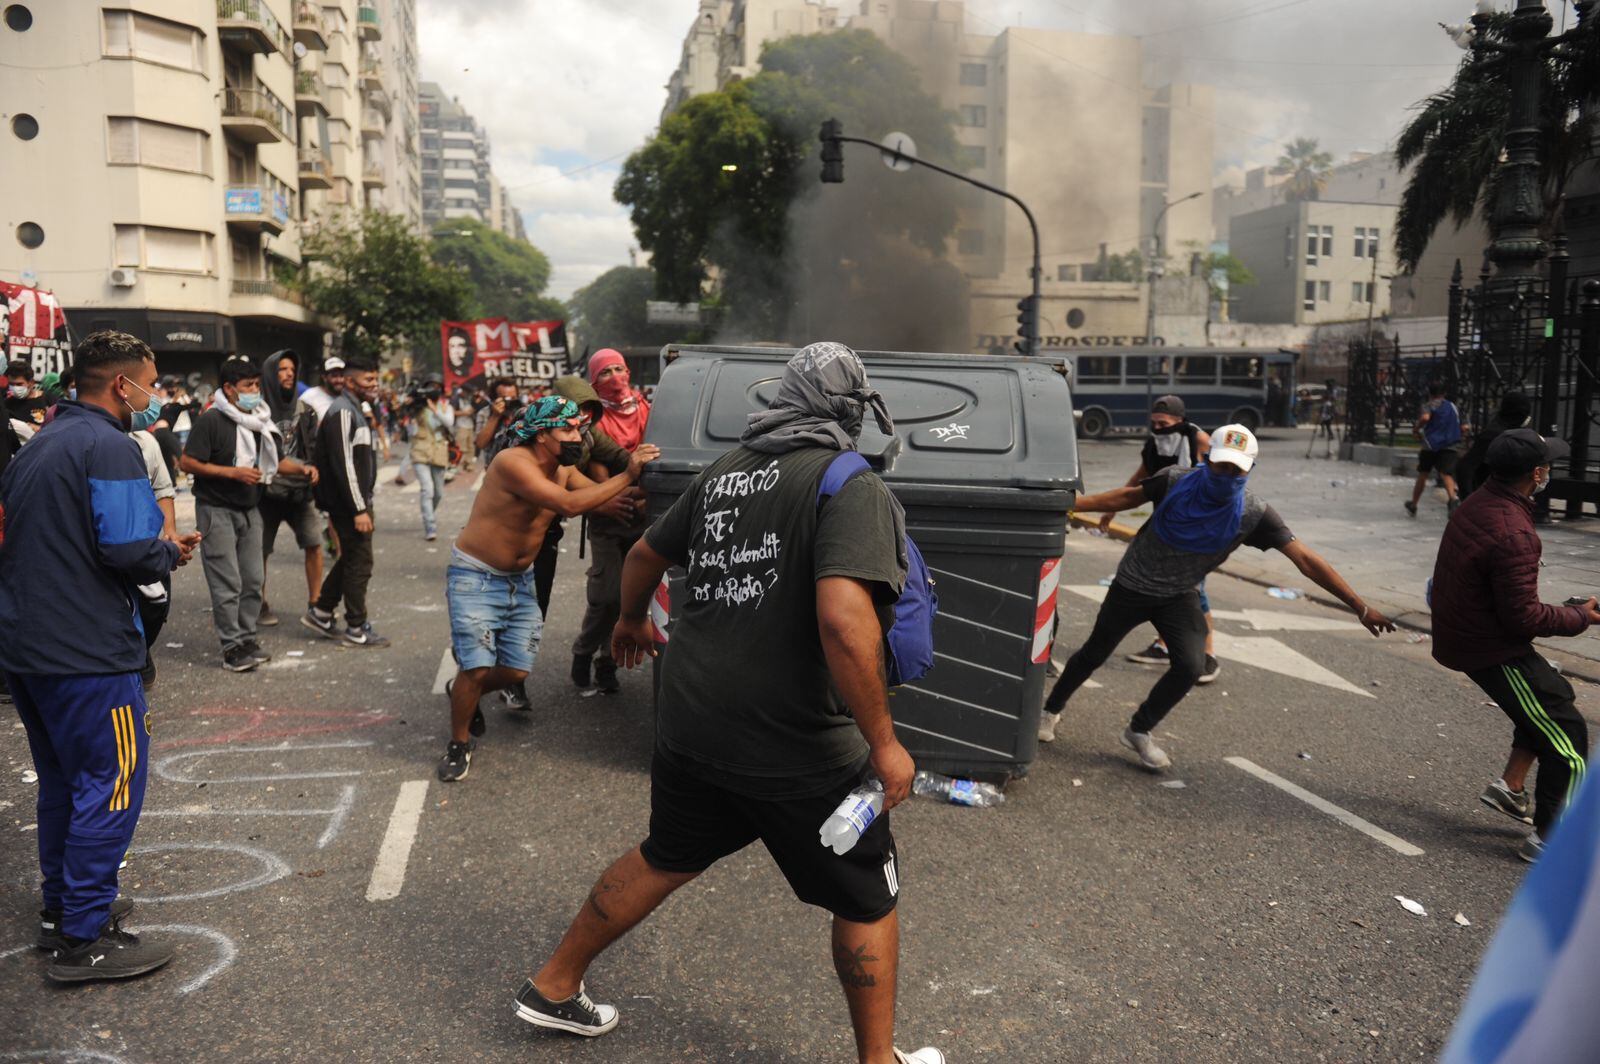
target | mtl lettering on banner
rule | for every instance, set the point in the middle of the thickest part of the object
(474, 352)
(34, 327)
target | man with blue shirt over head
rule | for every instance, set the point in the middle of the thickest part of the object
(1439, 427)
(1202, 515)
(83, 532)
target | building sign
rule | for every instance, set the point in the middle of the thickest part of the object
(660, 313)
(989, 341)
(280, 206)
(33, 327)
(184, 337)
(242, 201)
(475, 352)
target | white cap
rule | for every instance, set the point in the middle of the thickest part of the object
(332, 362)
(1235, 445)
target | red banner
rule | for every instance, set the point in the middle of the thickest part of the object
(34, 327)
(476, 352)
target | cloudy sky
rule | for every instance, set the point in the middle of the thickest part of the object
(567, 88)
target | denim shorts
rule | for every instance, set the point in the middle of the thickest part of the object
(494, 616)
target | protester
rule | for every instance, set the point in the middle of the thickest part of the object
(155, 600)
(1174, 442)
(82, 531)
(1201, 517)
(467, 406)
(287, 498)
(495, 621)
(501, 411)
(1486, 614)
(1439, 426)
(430, 447)
(25, 400)
(613, 529)
(347, 471)
(767, 717)
(626, 411)
(1327, 412)
(233, 451)
(322, 396)
(1516, 410)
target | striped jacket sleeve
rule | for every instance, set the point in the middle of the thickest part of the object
(342, 463)
(127, 522)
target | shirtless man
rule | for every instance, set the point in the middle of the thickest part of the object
(495, 622)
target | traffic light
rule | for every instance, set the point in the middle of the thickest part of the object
(832, 152)
(1028, 325)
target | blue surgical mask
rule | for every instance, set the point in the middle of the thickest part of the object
(143, 419)
(248, 401)
(72, 393)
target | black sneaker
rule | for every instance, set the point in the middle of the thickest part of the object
(1213, 670)
(577, 1014)
(1411, 508)
(1154, 654)
(320, 623)
(582, 664)
(268, 619)
(238, 659)
(114, 955)
(363, 637)
(147, 675)
(605, 676)
(52, 939)
(456, 762)
(257, 655)
(516, 697)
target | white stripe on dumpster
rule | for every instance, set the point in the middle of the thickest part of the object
(951, 739)
(980, 583)
(389, 871)
(957, 701)
(975, 665)
(987, 627)
(1343, 816)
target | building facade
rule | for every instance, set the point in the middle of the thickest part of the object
(205, 136)
(1315, 262)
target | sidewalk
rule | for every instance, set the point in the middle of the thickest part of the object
(1352, 515)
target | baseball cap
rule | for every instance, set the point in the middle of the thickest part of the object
(332, 362)
(1235, 445)
(1523, 451)
(1168, 404)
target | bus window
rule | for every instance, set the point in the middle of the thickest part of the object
(1196, 369)
(1099, 369)
(1241, 371)
(1153, 368)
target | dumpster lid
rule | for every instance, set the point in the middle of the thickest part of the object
(984, 420)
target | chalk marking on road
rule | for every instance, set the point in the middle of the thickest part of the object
(273, 868)
(958, 701)
(337, 815)
(953, 739)
(13, 952)
(446, 671)
(389, 870)
(1344, 816)
(980, 583)
(1265, 652)
(164, 769)
(65, 1056)
(287, 723)
(341, 810)
(227, 952)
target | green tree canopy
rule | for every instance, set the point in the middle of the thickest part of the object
(610, 311)
(508, 276)
(1307, 167)
(378, 280)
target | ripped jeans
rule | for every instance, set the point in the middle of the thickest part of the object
(494, 615)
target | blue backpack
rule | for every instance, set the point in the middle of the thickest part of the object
(911, 635)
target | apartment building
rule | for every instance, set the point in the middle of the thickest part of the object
(1315, 262)
(456, 179)
(163, 163)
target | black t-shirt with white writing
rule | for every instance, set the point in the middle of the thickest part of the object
(746, 696)
(214, 440)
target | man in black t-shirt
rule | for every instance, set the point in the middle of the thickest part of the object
(773, 704)
(1201, 517)
(25, 401)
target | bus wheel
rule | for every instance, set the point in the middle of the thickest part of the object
(1247, 417)
(1094, 424)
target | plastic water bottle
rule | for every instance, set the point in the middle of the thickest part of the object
(1290, 593)
(957, 792)
(855, 814)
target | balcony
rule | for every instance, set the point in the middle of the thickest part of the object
(249, 26)
(372, 176)
(268, 300)
(315, 169)
(372, 75)
(368, 25)
(309, 99)
(309, 27)
(380, 102)
(372, 125)
(256, 208)
(256, 116)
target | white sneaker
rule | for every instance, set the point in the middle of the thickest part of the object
(1149, 753)
(1047, 726)
(925, 1055)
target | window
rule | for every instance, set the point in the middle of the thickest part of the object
(130, 35)
(26, 127)
(1241, 371)
(179, 250)
(1325, 291)
(139, 142)
(1372, 293)
(1197, 369)
(1327, 241)
(974, 74)
(1357, 291)
(1372, 243)
(976, 156)
(1313, 242)
(974, 115)
(1310, 301)
(1066, 273)
(19, 18)
(1099, 369)
(1361, 241)
(30, 235)
(1319, 243)
(969, 242)
(1147, 367)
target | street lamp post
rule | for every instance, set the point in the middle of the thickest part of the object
(1153, 275)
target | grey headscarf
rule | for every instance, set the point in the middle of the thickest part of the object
(820, 403)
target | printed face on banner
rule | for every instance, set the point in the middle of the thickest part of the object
(475, 352)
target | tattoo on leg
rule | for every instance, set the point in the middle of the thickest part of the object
(851, 964)
(605, 886)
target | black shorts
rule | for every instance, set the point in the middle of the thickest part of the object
(694, 824)
(1444, 461)
(301, 517)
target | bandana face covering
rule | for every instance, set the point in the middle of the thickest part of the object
(551, 412)
(1202, 512)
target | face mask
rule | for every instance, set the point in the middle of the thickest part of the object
(19, 391)
(248, 401)
(1538, 489)
(72, 393)
(1163, 430)
(571, 454)
(142, 419)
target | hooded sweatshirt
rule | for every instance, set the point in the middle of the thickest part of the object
(298, 432)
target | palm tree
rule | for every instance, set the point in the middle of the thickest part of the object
(1454, 142)
(1307, 168)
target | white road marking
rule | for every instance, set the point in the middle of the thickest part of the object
(1344, 816)
(1092, 592)
(1061, 666)
(164, 767)
(226, 951)
(336, 816)
(1267, 653)
(446, 671)
(273, 869)
(389, 871)
(341, 810)
(1277, 621)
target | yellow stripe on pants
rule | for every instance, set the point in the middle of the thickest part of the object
(122, 756)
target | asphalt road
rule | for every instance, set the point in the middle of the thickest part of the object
(1103, 913)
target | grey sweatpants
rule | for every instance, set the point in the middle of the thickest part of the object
(230, 552)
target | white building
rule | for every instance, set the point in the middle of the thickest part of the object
(1315, 262)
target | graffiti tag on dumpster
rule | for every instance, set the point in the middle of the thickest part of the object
(950, 432)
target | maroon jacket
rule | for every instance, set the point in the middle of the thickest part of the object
(1486, 607)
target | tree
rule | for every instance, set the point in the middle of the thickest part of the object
(1307, 168)
(377, 279)
(1224, 273)
(610, 311)
(1453, 144)
(507, 275)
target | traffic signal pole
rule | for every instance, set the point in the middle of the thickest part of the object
(832, 137)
